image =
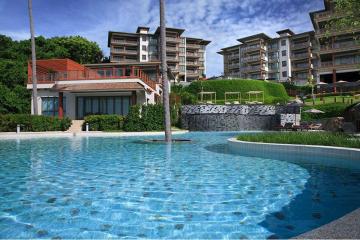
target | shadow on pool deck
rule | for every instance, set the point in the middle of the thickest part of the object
(329, 194)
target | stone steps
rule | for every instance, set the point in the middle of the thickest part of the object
(76, 126)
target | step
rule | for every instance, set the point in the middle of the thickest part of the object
(76, 126)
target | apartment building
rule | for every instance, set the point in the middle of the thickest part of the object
(327, 56)
(338, 50)
(285, 58)
(185, 55)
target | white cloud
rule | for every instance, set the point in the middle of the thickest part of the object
(220, 21)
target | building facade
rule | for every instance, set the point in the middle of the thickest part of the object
(338, 49)
(67, 88)
(186, 56)
(288, 57)
(320, 55)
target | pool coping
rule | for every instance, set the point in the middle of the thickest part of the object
(58, 134)
(345, 227)
(351, 153)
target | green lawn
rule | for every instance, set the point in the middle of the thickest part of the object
(331, 99)
(305, 138)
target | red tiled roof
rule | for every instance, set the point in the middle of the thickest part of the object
(97, 87)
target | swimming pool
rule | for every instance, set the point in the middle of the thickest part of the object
(85, 187)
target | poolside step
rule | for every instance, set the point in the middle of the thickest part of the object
(76, 126)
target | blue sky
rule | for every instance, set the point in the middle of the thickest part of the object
(221, 21)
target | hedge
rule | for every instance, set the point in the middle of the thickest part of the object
(104, 122)
(330, 110)
(273, 92)
(32, 123)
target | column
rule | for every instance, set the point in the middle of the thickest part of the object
(334, 79)
(133, 98)
(61, 107)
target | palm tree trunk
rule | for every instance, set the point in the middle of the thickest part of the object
(33, 60)
(165, 81)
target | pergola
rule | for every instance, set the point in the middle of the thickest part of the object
(237, 94)
(211, 94)
(256, 94)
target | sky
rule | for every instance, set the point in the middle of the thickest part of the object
(220, 21)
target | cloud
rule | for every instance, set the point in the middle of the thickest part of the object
(16, 35)
(220, 21)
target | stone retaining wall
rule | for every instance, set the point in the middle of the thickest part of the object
(237, 117)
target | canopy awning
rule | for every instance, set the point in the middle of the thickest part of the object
(126, 86)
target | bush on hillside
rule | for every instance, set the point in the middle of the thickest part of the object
(273, 92)
(104, 122)
(330, 110)
(32, 123)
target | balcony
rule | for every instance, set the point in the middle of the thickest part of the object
(300, 45)
(249, 69)
(252, 48)
(172, 39)
(124, 42)
(192, 64)
(172, 59)
(253, 58)
(174, 69)
(124, 51)
(233, 66)
(325, 16)
(273, 59)
(334, 32)
(192, 55)
(339, 47)
(193, 46)
(301, 56)
(329, 66)
(233, 56)
(171, 49)
(96, 74)
(302, 67)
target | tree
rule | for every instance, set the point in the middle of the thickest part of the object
(164, 73)
(349, 12)
(33, 60)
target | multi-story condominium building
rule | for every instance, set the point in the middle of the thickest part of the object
(327, 56)
(338, 49)
(286, 58)
(185, 55)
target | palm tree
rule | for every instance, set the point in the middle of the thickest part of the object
(33, 60)
(165, 81)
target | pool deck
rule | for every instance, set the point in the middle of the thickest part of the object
(346, 227)
(28, 135)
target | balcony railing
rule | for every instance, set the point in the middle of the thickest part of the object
(253, 68)
(345, 63)
(169, 58)
(124, 51)
(196, 46)
(96, 74)
(189, 54)
(300, 45)
(190, 72)
(172, 39)
(117, 41)
(339, 45)
(173, 49)
(253, 58)
(301, 55)
(253, 47)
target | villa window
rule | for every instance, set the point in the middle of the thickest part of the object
(283, 53)
(143, 57)
(283, 42)
(144, 38)
(50, 106)
(283, 63)
(144, 48)
(284, 74)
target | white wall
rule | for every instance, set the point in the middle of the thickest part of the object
(286, 58)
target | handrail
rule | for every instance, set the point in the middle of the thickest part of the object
(95, 74)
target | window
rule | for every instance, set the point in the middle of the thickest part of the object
(144, 48)
(283, 53)
(143, 57)
(182, 50)
(283, 42)
(50, 106)
(143, 38)
(284, 73)
(182, 59)
(283, 63)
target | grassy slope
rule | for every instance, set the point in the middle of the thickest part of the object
(305, 138)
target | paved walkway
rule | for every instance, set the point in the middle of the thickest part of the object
(76, 126)
(346, 227)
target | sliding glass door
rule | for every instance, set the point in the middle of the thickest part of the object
(102, 105)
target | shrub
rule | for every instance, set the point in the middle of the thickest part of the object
(330, 110)
(104, 122)
(301, 90)
(149, 118)
(32, 123)
(273, 92)
(305, 138)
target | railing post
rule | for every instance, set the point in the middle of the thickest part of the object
(18, 128)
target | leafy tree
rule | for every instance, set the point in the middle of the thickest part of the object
(351, 18)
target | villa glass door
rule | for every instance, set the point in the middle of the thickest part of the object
(102, 105)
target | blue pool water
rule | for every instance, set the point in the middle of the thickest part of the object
(123, 187)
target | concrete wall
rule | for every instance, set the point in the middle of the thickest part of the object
(236, 117)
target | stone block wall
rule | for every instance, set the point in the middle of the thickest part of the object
(237, 117)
